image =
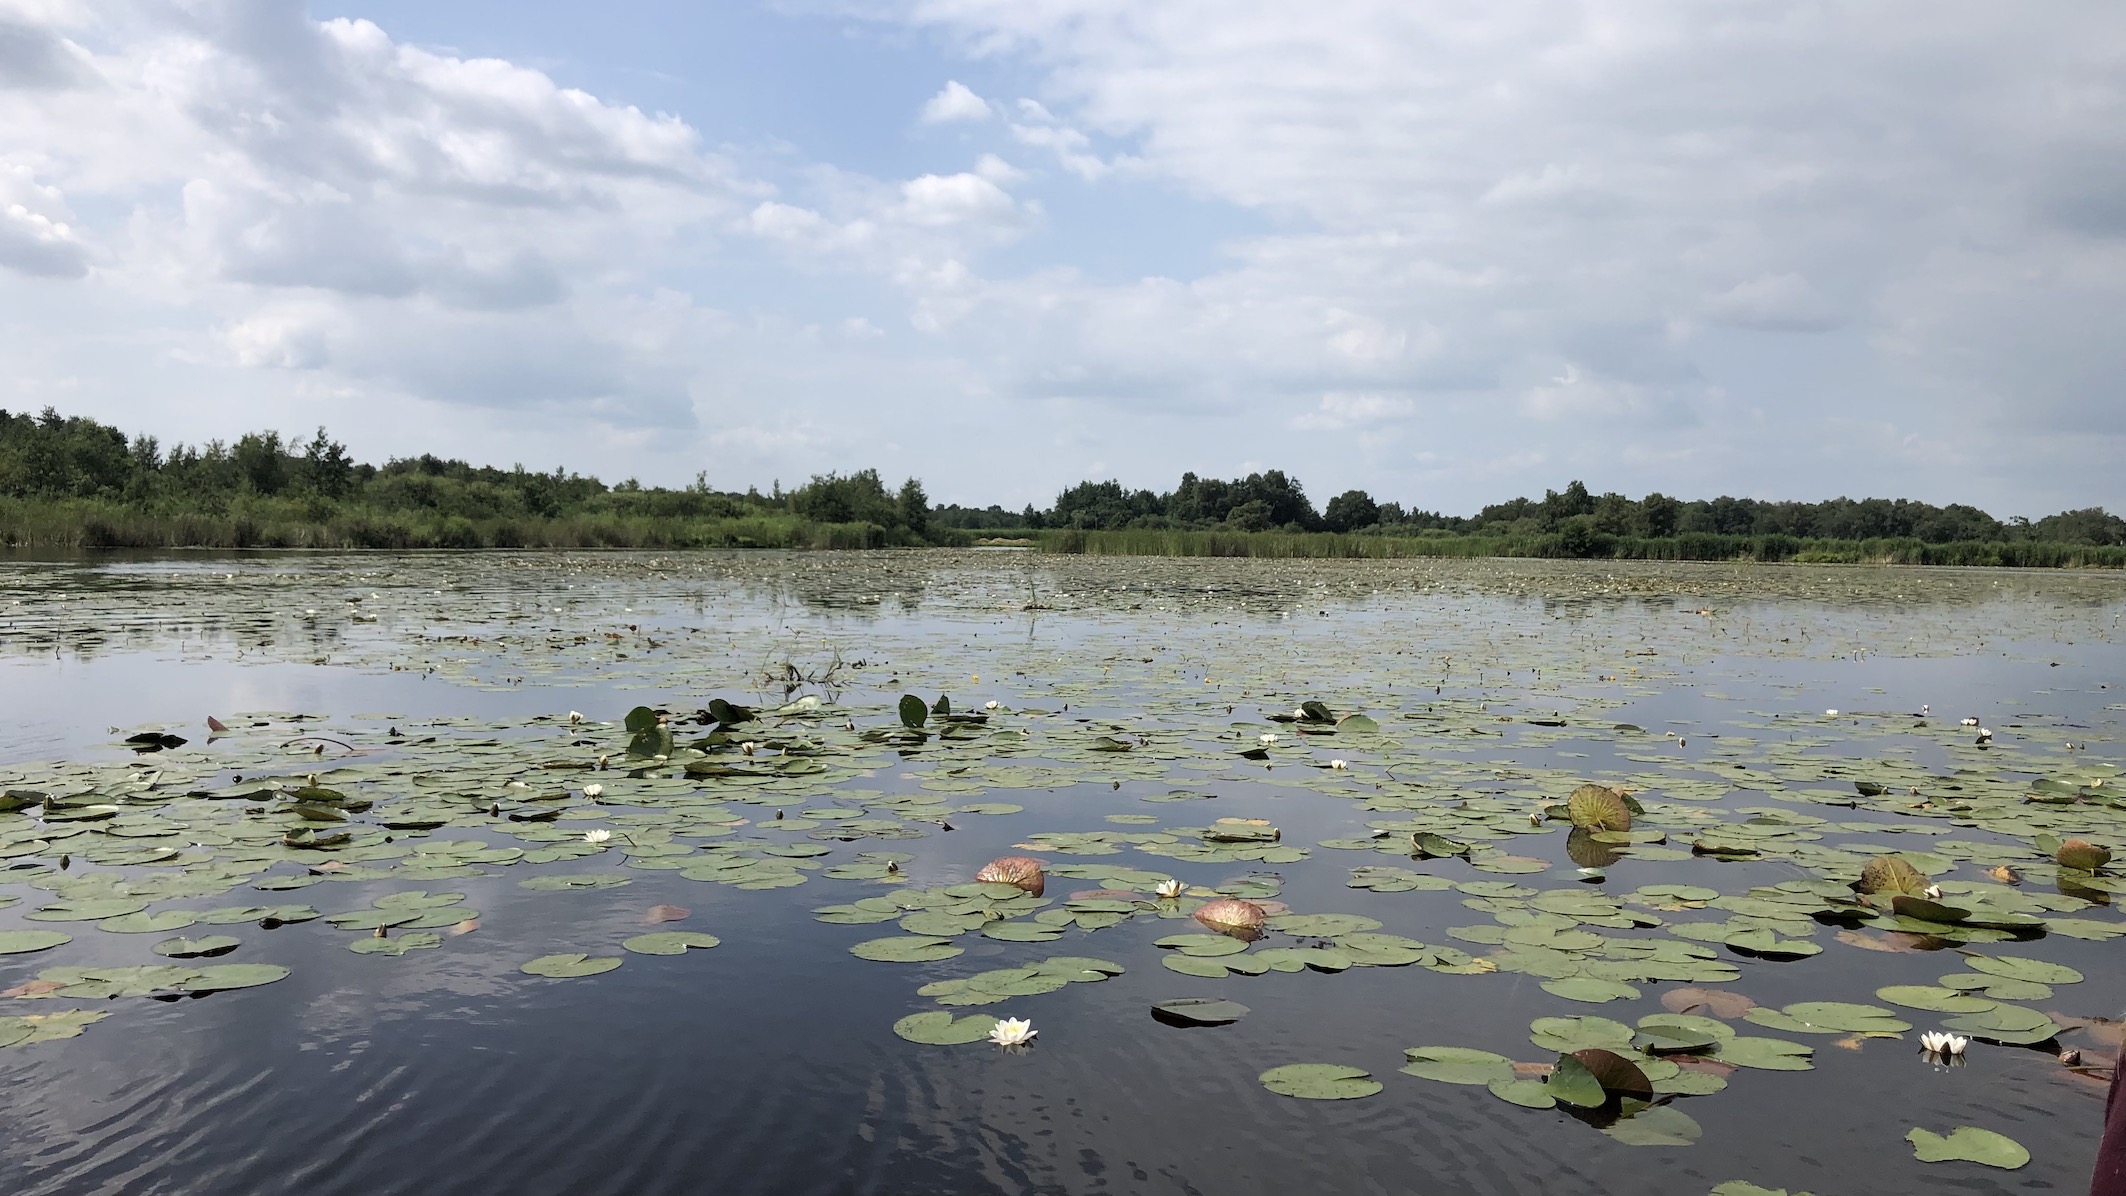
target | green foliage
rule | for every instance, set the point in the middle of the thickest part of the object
(73, 482)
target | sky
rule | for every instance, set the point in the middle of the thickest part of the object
(1445, 251)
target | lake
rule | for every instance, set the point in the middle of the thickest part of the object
(289, 953)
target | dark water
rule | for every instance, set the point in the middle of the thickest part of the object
(768, 1064)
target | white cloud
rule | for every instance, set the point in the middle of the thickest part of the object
(957, 102)
(1777, 302)
(1339, 412)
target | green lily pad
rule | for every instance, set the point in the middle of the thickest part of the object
(2037, 971)
(1968, 1144)
(1320, 1081)
(226, 977)
(1457, 1065)
(1765, 1054)
(1590, 989)
(22, 942)
(159, 922)
(1192, 965)
(905, 948)
(1199, 1011)
(398, 944)
(1933, 999)
(670, 942)
(569, 964)
(936, 1027)
(1529, 1094)
(204, 946)
(1660, 1125)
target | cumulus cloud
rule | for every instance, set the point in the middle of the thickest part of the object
(957, 102)
(1559, 239)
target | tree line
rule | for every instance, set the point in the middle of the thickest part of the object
(1272, 501)
(52, 459)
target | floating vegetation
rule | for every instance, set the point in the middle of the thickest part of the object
(1347, 805)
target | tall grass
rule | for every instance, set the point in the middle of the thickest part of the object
(2014, 553)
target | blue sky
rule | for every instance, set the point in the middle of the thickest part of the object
(1446, 252)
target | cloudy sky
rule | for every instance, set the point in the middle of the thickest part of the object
(1446, 250)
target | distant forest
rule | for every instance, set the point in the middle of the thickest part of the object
(74, 481)
(1271, 501)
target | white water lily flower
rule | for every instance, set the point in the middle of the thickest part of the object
(1266, 738)
(1168, 888)
(1933, 893)
(1833, 713)
(1012, 1031)
(1943, 1043)
(598, 838)
(1969, 722)
(594, 791)
(575, 716)
(1339, 765)
(989, 705)
(748, 747)
(1985, 735)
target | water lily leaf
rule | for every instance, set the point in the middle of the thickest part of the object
(1660, 1125)
(159, 922)
(224, 977)
(937, 1027)
(1529, 1094)
(1190, 965)
(2082, 855)
(2010, 1024)
(2016, 968)
(1598, 808)
(1205, 945)
(1932, 998)
(1199, 1011)
(1766, 1054)
(1567, 1034)
(1839, 1017)
(1571, 1083)
(1021, 932)
(1892, 874)
(670, 942)
(1968, 1144)
(569, 964)
(1457, 1065)
(640, 719)
(398, 944)
(1590, 989)
(1320, 1081)
(86, 911)
(905, 948)
(1616, 1074)
(204, 946)
(22, 942)
(913, 712)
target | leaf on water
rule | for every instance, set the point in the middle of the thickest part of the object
(1320, 1081)
(569, 964)
(1968, 1144)
(202, 947)
(1712, 1002)
(22, 942)
(225, 977)
(665, 913)
(670, 942)
(1199, 1011)
(1457, 1065)
(937, 1027)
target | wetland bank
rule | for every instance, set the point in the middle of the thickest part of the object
(630, 872)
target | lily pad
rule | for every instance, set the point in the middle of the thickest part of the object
(670, 942)
(905, 948)
(569, 964)
(225, 977)
(1320, 1081)
(22, 942)
(1199, 1011)
(1968, 1144)
(204, 946)
(1457, 1065)
(937, 1027)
